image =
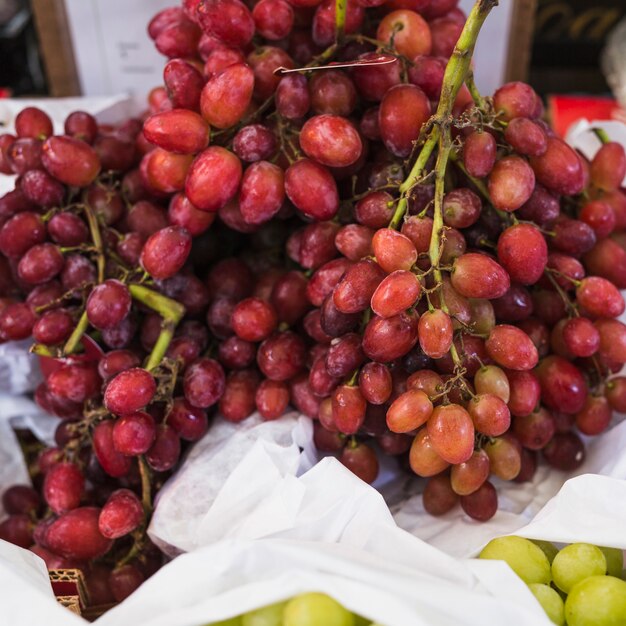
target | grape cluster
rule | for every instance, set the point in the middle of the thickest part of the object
(306, 609)
(320, 211)
(580, 584)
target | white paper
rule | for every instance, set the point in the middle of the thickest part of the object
(234, 470)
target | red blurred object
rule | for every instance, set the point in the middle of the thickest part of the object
(566, 110)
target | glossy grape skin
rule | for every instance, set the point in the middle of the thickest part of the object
(24, 155)
(515, 99)
(595, 417)
(435, 333)
(348, 409)
(467, 477)
(108, 304)
(74, 381)
(403, 111)
(179, 131)
(70, 161)
(332, 92)
(40, 264)
(395, 293)
(387, 339)
(183, 83)
(479, 153)
(273, 18)
(600, 297)
(451, 433)
(262, 192)
(615, 393)
(393, 250)
(526, 137)
(438, 496)
(354, 291)
(165, 252)
(272, 398)
(18, 530)
(75, 535)
(281, 356)
(596, 600)
(238, 400)
(559, 168)
(525, 558)
(165, 451)
(20, 233)
(21, 499)
(63, 487)
(81, 125)
(409, 411)
(511, 347)
(482, 504)
(230, 21)
(292, 97)
(410, 32)
(493, 282)
(164, 172)
(361, 460)
(608, 167)
(226, 96)
(423, 458)
(374, 81)
(565, 452)
(42, 189)
(490, 414)
(33, 122)
(213, 163)
(330, 140)
(375, 382)
(312, 189)
(129, 391)
(17, 321)
(309, 609)
(576, 562)
(511, 183)
(523, 253)
(133, 434)
(204, 382)
(122, 513)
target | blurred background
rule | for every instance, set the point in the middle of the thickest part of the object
(99, 47)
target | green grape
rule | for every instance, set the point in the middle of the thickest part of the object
(233, 621)
(597, 601)
(271, 615)
(526, 559)
(575, 563)
(549, 549)
(614, 561)
(359, 620)
(550, 601)
(316, 609)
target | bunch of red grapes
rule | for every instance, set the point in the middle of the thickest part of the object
(315, 214)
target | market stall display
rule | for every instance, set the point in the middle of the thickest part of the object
(320, 213)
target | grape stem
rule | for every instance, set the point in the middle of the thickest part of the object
(602, 135)
(83, 323)
(341, 7)
(171, 312)
(455, 75)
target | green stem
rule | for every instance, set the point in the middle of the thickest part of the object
(96, 237)
(72, 343)
(341, 8)
(602, 135)
(454, 77)
(479, 101)
(171, 312)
